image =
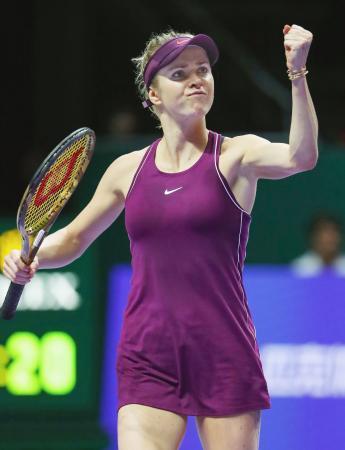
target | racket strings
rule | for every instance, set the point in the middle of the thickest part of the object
(57, 185)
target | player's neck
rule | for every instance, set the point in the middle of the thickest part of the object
(178, 137)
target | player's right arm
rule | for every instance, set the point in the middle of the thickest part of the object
(67, 244)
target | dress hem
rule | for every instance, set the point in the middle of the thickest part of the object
(229, 412)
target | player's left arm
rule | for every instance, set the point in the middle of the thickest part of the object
(264, 159)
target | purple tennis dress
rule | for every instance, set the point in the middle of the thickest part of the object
(188, 342)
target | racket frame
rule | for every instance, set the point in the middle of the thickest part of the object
(32, 241)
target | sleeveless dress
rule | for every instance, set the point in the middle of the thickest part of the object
(187, 342)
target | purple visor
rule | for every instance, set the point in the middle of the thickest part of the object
(171, 49)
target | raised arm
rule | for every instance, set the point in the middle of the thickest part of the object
(264, 159)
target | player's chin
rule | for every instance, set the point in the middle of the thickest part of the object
(200, 109)
(202, 103)
(195, 109)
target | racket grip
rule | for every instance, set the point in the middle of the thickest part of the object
(11, 301)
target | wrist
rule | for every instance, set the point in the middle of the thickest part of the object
(293, 74)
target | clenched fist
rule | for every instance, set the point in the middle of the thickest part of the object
(297, 42)
(16, 270)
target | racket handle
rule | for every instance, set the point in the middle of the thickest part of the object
(11, 301)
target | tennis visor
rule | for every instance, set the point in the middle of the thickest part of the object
(170, 51)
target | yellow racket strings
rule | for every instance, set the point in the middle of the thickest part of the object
(57, 185)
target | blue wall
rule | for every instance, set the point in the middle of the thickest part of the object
(300, 329)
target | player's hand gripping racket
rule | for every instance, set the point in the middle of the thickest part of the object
(47, 193)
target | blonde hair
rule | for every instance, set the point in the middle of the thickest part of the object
(152, 45)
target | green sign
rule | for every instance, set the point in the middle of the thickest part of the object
(50, 352)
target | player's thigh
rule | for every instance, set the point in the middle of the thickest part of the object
(142, 427)
(236, 432)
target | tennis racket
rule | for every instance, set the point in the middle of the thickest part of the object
(49, 190)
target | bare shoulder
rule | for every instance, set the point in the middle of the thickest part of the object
(242, 143)
(238, 150)
(128, 160)
(243, 183)
(122, 170)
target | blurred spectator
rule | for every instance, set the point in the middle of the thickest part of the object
(325, 237)
(123, 124)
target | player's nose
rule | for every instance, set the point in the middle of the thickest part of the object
(195, 80)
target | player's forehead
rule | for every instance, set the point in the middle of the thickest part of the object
(192, 54)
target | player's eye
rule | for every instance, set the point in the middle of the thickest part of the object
(177, 74)
(203, 69)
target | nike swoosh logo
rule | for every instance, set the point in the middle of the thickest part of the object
(173, 190)
(181, 41)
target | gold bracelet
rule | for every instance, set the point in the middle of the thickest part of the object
(294, 74)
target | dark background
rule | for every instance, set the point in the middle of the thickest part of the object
(67, 65)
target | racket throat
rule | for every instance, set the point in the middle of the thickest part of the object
(38, 239)
(29, 251)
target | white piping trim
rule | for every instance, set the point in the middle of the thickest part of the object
(238, 263)
(219, 176)
(253, 332)
(244, 303)
(239, 244)
(142, 162)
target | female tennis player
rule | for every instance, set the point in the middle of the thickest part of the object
(188, 345)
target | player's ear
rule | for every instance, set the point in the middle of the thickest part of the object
(154, 95)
